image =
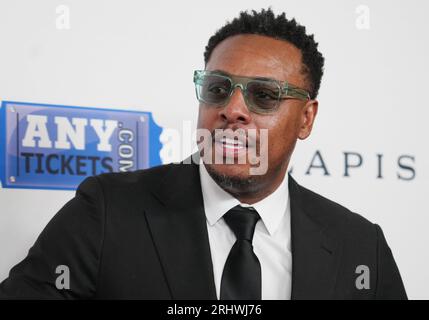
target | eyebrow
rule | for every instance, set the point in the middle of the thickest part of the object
(220, 72)
(229, 75)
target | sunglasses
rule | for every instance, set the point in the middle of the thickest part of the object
(262, 95)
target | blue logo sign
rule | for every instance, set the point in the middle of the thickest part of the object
(56, 147)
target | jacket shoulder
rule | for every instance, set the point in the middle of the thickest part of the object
(145, 178)
(333, 215)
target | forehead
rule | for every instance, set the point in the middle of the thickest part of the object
(258, 56)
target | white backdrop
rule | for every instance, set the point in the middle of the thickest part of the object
(128, 54)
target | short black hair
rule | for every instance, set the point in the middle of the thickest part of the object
(266, 23)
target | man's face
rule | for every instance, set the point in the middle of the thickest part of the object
(258, 56)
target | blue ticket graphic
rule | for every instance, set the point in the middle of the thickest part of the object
(55, 147)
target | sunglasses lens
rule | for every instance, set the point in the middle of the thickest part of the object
(263, 95)
(213, 89)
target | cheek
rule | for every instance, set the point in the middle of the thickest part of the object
(282, 136)
(204, 116)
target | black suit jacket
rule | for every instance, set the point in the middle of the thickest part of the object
(143, 235)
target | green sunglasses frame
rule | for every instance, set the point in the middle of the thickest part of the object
(287, 90)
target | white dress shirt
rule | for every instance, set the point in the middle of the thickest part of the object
(271, 241)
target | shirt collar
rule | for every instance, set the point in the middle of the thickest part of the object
(217, 202)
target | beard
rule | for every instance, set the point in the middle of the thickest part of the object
(236, 185)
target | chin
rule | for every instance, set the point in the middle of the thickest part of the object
(235, 178)
(239, 171)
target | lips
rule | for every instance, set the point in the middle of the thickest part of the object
(233, 139)
(232, 143)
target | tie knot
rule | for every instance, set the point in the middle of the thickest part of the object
(242, 222)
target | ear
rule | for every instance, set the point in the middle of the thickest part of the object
(308, 115)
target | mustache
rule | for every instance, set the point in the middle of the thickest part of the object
(248, 137)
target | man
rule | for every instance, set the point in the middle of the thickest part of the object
(215, 230)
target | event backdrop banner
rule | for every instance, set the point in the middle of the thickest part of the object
(55, 147)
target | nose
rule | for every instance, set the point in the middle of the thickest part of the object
(236, 109)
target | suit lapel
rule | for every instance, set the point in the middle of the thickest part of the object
(315, 253)
(178, 227)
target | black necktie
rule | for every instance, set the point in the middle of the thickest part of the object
(241, 277)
